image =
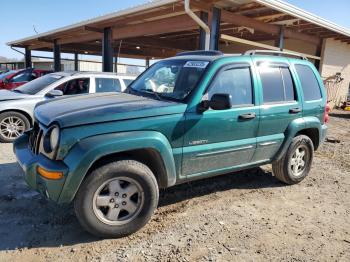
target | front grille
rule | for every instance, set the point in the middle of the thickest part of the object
(35, 138)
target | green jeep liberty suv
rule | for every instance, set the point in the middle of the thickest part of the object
(196, 115)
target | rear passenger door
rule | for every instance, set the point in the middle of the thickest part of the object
(280, 105)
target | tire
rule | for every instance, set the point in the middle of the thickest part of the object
(102, 183)
(289, 169)
(5, 120)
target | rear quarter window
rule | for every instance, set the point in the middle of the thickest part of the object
(309, 83)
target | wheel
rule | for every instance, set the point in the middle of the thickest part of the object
(117, 199)
(12, 125)
(295, 165)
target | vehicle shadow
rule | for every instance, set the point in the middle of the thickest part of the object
(344, 114)
(28, 220)
(255, 178)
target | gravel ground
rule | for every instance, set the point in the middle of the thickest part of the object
(243, 216)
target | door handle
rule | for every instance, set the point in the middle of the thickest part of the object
(295, 110)
(247, 116)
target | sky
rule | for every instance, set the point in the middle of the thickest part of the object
(20, 17)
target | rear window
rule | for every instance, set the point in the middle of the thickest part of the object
(309, 83)
(107, 85)
(277, 84)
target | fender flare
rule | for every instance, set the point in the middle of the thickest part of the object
(293, 128)
(87, 151)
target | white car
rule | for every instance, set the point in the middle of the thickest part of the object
(17, 105)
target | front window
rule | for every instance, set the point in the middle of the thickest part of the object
(38, 84)
(172, 79)
(236, 82)
(75, 86)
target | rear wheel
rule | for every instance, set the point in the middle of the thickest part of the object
(295, 165)
(12, 125)
(117, 199)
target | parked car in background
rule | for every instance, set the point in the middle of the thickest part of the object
(16, 78)
(3, 70)
(17, 105)
(197, 115)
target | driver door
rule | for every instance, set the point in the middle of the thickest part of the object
(75, 86)
(221, 140)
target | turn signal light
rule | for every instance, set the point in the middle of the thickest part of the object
(53, 175)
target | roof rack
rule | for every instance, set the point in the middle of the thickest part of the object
(254, 52)
(200, 52)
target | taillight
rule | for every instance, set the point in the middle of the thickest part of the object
(326, 113)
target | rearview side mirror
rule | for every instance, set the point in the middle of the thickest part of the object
(54, 93)
(217, 102)
(6, 81)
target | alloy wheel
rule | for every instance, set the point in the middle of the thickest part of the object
(12, 127)
(118, 201)
(298, 160)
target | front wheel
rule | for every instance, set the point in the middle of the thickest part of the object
(12, 125)
(117, 199)
(295, 165)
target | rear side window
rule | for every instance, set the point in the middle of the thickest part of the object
(236, 82)
(107, 85)
(277, 84)
(309, 83)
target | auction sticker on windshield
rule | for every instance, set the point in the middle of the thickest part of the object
(196, 64)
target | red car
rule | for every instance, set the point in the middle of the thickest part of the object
(15, 78)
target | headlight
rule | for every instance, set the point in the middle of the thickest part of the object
(51, 139)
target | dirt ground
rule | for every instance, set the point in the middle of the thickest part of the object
(243, 216)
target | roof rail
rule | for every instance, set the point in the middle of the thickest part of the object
(200, 52)
(272, 52)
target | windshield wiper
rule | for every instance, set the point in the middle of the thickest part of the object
(147, 91)
(17, 91)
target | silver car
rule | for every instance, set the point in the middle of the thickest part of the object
(17, 106)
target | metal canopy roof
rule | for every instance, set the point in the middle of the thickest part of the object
(161, 28)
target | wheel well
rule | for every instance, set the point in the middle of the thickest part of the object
(147, 156)
(313, 134)
(21, 112)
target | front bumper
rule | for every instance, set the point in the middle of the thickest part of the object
(30, 162)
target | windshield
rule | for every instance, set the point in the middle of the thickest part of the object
(4, 75)
(173, 79)
(35, 86)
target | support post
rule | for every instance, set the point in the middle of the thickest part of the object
(280, 41)
(107, 50)
(215, 29)
(204, 18)
(147, 62)
(57, 56)
(116, 65)
(76, 62)
(28, 58)
(319, 53)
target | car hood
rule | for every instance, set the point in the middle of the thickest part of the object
(97, 108)
(6, 95)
